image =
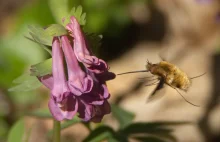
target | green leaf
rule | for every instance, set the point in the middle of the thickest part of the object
(101, 133)
(56, 30)
(59, 9)
(16, 133)
(45, 47)
(124, 117)
(41, 113)
(39, 35)
(78, 14)
(25, 83)
(159, 128)
(43, 68)
(69, 123)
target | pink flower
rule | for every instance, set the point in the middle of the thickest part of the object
(78, 81)
(82, 51)
(82, 89)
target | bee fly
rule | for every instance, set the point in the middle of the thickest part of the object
(169, 74)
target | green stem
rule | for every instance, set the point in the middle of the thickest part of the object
(56, 131)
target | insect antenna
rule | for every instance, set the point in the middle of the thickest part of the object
(132, 72)
(198, 76)
(185, 98)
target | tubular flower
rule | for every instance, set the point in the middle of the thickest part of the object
(62, 104)
(82, 52)
(82, 90)
(78, 81)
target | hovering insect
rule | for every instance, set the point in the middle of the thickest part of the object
(169, 74)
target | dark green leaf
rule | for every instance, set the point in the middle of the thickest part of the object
(41, 113)
(100, 133)
(151, 128)
(168, 137)
(124, 117)
(16, 133)
(43, 68)
(94, 42)
(25, 83)
(149, 139)
(56, 30)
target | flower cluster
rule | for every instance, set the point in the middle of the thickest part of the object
(81, 88)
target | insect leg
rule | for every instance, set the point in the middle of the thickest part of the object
(197, 76)
(183, 96)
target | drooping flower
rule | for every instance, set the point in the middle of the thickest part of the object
(93, 106)
(78, 81)
(91, 93)
(82, 90)
(62, 104)
(82, 51)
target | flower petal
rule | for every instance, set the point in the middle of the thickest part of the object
(84, 110)
(59, 85)
(79, 82)
(81, 50)
(47, 81)
(100, 111)
(67, 110)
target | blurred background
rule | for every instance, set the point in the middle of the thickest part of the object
(185, 33)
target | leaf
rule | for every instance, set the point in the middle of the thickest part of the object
(41, 69)
(25, 83)
(45, 47)
(149, 139)
(56, 30)
(124, 117)
(151, 128)
(39, 35)
(69, 123)
(78, 14)
(59, 9)
(16, 133)
(155, 129)
(99, 134)
(41, 113)
(94, 41)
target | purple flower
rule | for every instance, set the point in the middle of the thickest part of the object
(82, 90)
(62, 104)
(82, 52)
(78, 81)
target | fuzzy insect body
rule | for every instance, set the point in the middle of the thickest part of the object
(171, 74)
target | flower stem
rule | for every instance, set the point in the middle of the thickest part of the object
(56, 131)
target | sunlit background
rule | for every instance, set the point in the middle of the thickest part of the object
(184, 32)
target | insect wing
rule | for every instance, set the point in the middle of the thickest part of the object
(154, 95)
